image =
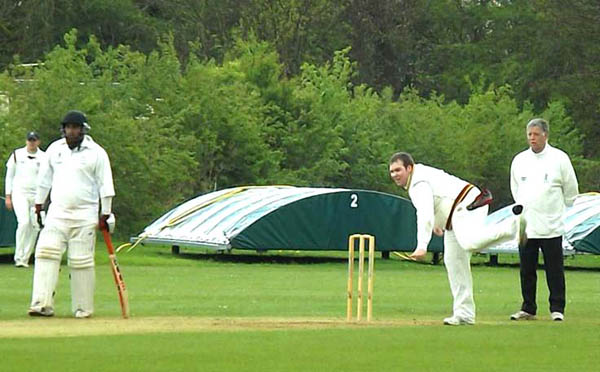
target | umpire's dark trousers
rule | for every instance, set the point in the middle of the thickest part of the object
(555, 273)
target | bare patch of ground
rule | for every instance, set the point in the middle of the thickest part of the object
(70, 327)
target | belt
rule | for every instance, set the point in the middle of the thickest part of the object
(459, 198)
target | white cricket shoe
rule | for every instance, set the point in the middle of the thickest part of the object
(455, 321)
(522, 315)
(19, 263)
(40, 311)
(556, 316)
(82, 314)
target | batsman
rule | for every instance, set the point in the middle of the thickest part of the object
(78, 177)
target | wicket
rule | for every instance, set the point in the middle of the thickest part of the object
(361, 261)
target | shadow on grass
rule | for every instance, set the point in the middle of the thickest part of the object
(569, 266)
(540, 267)
(261, 258)
(6, 258)
(286, 259)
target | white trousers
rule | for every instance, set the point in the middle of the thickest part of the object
(27, 228)
(469, 234)
(458, 265)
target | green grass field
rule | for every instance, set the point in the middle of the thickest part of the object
(285, 311)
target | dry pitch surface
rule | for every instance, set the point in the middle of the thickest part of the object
(70, 327)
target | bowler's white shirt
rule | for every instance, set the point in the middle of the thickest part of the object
(432, 192)
(21, 175)
(78, 179)
(544, 183)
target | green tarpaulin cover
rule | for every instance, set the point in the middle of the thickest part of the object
(8, 226)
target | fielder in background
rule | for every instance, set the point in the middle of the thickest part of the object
(542, 179)
(78, 172)
(446, 205)
(22, 169)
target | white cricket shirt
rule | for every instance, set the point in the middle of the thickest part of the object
(78, 179)
(432, 192)
(21, 175)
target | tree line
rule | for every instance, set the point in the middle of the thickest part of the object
(546, 50)
(192, 96)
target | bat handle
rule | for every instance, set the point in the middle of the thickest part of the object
(108, 241)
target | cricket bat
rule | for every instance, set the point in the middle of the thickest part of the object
(123, 296)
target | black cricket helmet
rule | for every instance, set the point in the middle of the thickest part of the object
(75, 117)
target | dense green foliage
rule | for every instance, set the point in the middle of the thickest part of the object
(173, 132)
(191, 96)
(547, 50)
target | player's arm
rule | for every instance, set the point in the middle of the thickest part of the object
(570, 186)
(421, 196)
(514, 184)
(104, 178)
(8, 181)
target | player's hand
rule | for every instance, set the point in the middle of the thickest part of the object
(102, 224)
(38, 213)
(8, 203)
(437, 231)
(418, 254)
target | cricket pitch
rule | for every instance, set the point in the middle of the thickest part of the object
(70, 327)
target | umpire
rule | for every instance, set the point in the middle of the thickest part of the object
(542, 179)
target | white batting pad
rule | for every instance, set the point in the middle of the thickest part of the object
(51, 244)
(83, 282)
(48, 254)
(45, 277)
(81, 248)
(83, 276)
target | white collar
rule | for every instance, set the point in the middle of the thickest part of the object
(541, 153)
(86, 142)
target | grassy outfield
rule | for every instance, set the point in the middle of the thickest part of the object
(286, 311)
